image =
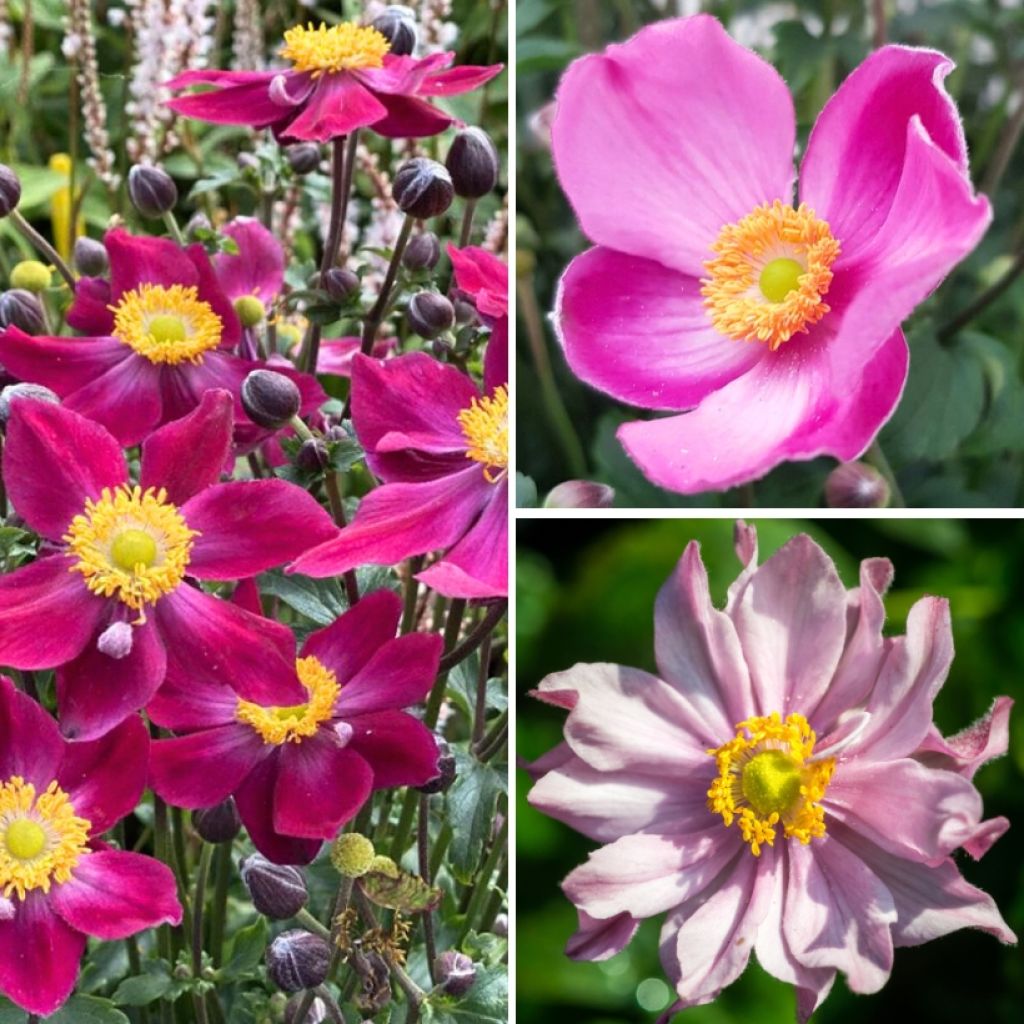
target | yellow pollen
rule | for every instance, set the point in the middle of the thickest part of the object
(166, 325)
(344, 47)
(296, 722)
(485, 427)
(769, 275)
(41, 838)
(766, 779)
(131, 544)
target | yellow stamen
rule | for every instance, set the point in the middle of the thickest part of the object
(770, 273)
(167, 325)
(766, 777)
(131, 544)
(41, 838)
(294, 723)
(343, 47)
(485, 427)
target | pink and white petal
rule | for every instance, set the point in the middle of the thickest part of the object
(639, 331)
(32, 747)
(337, 106)
(258, 266)
(400, 673)
(62, 364)
(337, 354)
(400, 749)
(744, 542)
(39, 956)
(143, 259)
(184, 703)
(456, 81)
(858, 147)
(410, 118)
(81, 459)
(126, 400)
(351, 641)
(248, 526)
(710, 123)
(96, 692)
(972, 747)
(599, 939)
(113, 894)
(33, 599)
(983, 836)
(838, 914)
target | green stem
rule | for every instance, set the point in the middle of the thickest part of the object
(481, 889)
(43, 246)
(172, 227)
(411, 590)
(222, 873)
(311, 924)
(480, 710)
(876, 457)
(482, 632)
(451, 634)
(423, 851)
(333, 488)
(492, 743)
(202, 874)
(161, 848)
(373, 319)
(986, 298)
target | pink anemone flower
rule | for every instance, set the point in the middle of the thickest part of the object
(777, 326)
(162, 333)
(780, 788)
(341, 79)
(119, 558)
(58, 881)
(301, 761)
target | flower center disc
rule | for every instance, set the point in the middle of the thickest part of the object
(295, 722)
(343, 47)
(41, 838)
(485, 428)
(131, 544)
(770, 782)
(166, 325)
(769, 274)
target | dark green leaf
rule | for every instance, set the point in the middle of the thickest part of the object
(485, 1003)
(143, 988)
(247, 949)
(471, 808)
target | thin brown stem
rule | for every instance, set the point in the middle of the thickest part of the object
(986, 298)
(476, 637)
(34, 238)
(880, 28)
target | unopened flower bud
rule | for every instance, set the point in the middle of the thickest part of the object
(10, 190)
(197, 223)
(856, 485)
(115, 641)
(422, 252)
(580, 494)
(270, 399)
(352, 854)
(151, 190)
(247, 162)
(465, 313)
(303, 157)
(90, 257)
(316, 1014)
(430, 314)
(340, 284)
(312, 456)
(455, 973)
(397, 24)
(278, 891)
(250, 310)
(473, 163)
(500, 926)
(298, 960)
(31, 275)
(24, 391)
(21, 309)
(422, 188)
(445, 772)
(219, 823)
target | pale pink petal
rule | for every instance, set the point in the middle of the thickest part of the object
(972, 747)
(598, 939)
(984, 835)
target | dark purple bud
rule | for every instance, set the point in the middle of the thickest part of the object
(340, 284)
(580, 494)
(312, 455)
(270, 399)
(90, 257)
(500, 926)
(440, 348)
(856, 485)
(430, 314)
(298, 960)
(10, 190)
(422, 252)
(15, 392)
(303, 157)
(218, 824)
(423, 188)
(22, 309)
(397, 24)
(455, 973)
(465, 313)
(473, 163)
(278, 891)
(151, 190)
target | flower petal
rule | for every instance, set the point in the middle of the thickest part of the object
(205, 767)
(338, 105)
(125, 400)
(972, 747)
(400, 673)
(184, 703)
(258, 266)
(62, 364)
(400, 749)
(90, 313)
(598, 939)
(144, 259)
(32, 747)
(348, 643)
(463, 78)
(482, 276)
(242, 99)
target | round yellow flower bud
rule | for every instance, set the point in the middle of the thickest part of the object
(352, 854)
(382, 865)
(250, 310)
(31, 275)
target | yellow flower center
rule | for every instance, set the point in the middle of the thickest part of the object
(485, 427)
(343, 47)
(766, 778)
(296, 722)
(769, 274)
(41, 838)
(131, 544)
(166, 325)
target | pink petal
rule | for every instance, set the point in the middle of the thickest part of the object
(400, 749)
(348, 643)
(483, 277)
(247, 596)
(32, 747)
(247, 526)
(90, 311)
(410, 118)
(143, 259)
(337, 354)
(597, 939)
(458, 80)
(972, 747)
(983, 836)
(258, 266)
(243, 99)
(184, 703)
(403, 74)
(210, 292)
(113, 894)
(337, 106)
(496, 356)
(205, 767)
(125, 400)
(183, 386)
(639, 331)
(400, 673)
(661, 141)
(61, 364)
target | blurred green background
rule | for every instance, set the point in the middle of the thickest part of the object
(957, 439)
(585, 593)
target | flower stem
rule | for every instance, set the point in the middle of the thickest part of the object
(878, 16)
(451, 634)
(411, 590)
(876, 457)
(476, 637)
(494, 740)
(988, 296)
(373, 320)
(482, 888)
(44, 247)
(202, 874)
(311, 924)
(480, 710)
(172, 227)
(222, 873)
(423, 852)
(467, 223)
(333, 488)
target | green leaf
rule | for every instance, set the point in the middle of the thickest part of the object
(1002, 425)
(247, 949)
(462, 684)
(143, 989)
(38, 186)
(485, 1003)
(88, 1010)
(320, 600)
(407, 893)
(526, 491)
(470, 804)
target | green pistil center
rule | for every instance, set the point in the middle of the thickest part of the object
(166, 329)
(24, 839)
(771, 782)
(779, 278)
(131, 548)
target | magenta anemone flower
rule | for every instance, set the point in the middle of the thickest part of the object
(58, 881)
(120, 557)
(780, 788)
(341, 78)
(161, 334)
(707, 290)
(302, 760)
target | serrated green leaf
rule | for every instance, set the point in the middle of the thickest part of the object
(470, 803)
(322, 601)
(247, 949)
(407, 893)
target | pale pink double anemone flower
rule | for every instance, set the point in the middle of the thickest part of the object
(706, 290)
(780, 789)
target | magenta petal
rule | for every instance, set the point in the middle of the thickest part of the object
(105, 778)
(482, 276)
(639, 331)
(348, 643)
(400, 749)
(210, 292)
(35, 597)
(336, 355)
(399, 674)
(244, 99)
(125, 400)
(80, 457)
(31, 747)
(96, 692)
(258, 266)
(599, 939)
(455, 81)
(206, 767)
(113, 894)
(496, 356)
(39, 956)
(142, 259)
(337, 106)
(403, 74)
(183, 387)
(90, 311)
(61, 364)
(320, 787)
(710, 123)
(247, 526)
(969, 749)
(410, 118)
(188, 702)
